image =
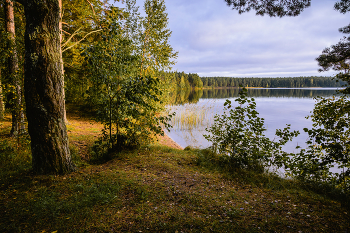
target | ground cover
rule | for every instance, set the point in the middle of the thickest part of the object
(154, 189)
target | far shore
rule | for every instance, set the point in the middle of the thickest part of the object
(208, 88)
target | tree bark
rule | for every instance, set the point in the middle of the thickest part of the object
(61, 38)
(16, 100)
(43, 85)
(2, 107)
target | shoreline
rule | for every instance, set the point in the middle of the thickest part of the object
(167, 141)
(211, 88)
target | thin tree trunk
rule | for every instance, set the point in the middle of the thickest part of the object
(2, 107)
(64, 92)
(14, 70)
(22, 126)
(44, 88)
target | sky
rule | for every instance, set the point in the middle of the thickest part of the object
(214, 40)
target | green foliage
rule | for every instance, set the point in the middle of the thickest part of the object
(76, 158)
(336, 57)
(328, 145)
(8, 47)
(342, 6)
(188, 81)
(156, 52)
(126, 103)
(209, 159)
(80, 21)
(273, 8)
(130, 117)
(239, 135)
(329, 139)
(15, 155)
(290, 82)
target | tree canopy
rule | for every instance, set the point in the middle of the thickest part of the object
(273, 8)
(337, 57)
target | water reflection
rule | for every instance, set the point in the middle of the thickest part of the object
(187, 96)
(277, 106)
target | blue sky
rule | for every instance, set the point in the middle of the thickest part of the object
(214, 40)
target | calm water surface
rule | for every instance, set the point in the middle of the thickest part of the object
(278, 106)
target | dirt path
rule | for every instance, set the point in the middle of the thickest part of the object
(79, 127)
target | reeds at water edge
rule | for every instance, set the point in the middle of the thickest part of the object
(192, 116)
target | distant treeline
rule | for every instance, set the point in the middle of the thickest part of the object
(190, 87)
(226, 93)
(295, 82)
(188, 81)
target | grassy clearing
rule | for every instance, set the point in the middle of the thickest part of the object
(154, 189)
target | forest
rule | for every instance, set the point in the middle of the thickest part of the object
(110, 60)
(188, 81)
(84, 86)
(190, 87)
(289, 82)
(193, 81)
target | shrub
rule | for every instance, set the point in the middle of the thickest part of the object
(328, 145)
(239, 135)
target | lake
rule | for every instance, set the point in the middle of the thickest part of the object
(278, 106)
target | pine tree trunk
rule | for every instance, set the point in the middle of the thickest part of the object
(13, 70)
(44, 88)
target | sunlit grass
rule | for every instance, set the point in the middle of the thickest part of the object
(159, 189)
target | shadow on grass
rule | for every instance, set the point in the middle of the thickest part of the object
(259, 177)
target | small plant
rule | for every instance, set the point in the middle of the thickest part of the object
(15, 155)
(239, 136)
(74, 151)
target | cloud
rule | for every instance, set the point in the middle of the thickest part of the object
(212, 39)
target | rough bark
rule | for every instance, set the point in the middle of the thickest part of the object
(16, 97)
(43, 85)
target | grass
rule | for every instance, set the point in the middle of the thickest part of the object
(192, 116)
(154, 189)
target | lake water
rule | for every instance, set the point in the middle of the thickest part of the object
(278, 106)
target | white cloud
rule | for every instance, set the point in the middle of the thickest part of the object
(213, 40)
